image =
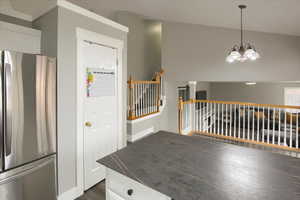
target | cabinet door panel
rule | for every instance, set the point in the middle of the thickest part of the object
(112, 196)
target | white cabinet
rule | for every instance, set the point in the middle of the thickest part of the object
(120, 187)
(19, 38)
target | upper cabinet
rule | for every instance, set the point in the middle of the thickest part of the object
(19, 38)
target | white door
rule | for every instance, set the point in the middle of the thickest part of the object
(100, 108)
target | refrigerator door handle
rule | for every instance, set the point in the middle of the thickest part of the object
(7, 108)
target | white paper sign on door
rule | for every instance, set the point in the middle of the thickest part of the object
(100, 82)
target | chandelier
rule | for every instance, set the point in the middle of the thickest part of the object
(243, 51)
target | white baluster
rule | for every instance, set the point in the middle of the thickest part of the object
(200, 117)
(273, 142)
(143, 98)
(279, 127)
(226, 128)
(263, 125)
(291, 130)
(239, 121)
(146, 99)
(244, 120)
(230, 120)
(219, 119)
(150, 98)
(215, 118)
(297, 136)
(207, 130)
(222, 120)
(258, 132)
(138, 99)
(198, 114)
(284, 127)
(195, 117)
(248, 135)
(210, 116)
(153, 97)
(253, 123)
(234, 130)
(268, 137)
(134, 99)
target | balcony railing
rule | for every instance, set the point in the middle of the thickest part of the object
(271, 125)
(145, 97)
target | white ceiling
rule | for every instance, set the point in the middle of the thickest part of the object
(275, 16)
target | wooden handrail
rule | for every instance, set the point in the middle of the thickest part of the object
(143, 82)
(241, 103)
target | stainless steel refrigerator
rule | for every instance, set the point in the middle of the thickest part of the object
(27, 127)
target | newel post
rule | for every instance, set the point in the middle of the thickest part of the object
(180, 110)
(130, 95)
(157, 79)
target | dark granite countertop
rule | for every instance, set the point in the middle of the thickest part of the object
(196, 168)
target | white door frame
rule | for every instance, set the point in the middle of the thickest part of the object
(82, 35)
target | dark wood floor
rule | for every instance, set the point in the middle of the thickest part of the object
(95, 193)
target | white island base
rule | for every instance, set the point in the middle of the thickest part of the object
(120, 187)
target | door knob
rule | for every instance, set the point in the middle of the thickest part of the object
(88, 124)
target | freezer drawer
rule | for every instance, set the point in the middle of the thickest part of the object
(36, 181)
(29, 108)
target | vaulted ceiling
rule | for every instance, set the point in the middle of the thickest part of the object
(275, 16)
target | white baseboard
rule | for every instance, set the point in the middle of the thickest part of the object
(143, 119)
(70, 194)
(140, 135)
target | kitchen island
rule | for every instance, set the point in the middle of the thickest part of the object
(169, 166)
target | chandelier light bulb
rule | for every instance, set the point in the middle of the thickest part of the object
(235, 54)
(230, 59)
(250, 53)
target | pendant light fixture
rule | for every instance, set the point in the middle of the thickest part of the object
(243, 51)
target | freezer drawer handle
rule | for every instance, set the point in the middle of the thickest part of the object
(26, 172)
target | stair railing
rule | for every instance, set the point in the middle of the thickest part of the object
(265, 124)
(144, 97)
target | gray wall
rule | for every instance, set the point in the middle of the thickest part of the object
(153, 46)
(196, 52)
(14, 20)
(169, 117)
(144, 45)
(67, 22)
(48, 25)
(262, 93)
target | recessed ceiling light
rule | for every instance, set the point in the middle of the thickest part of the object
(250, 83)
